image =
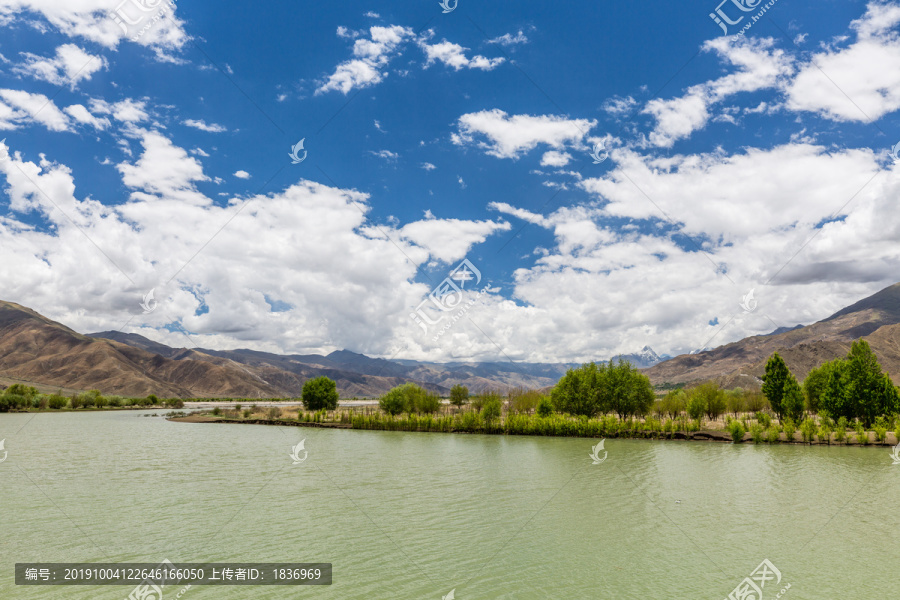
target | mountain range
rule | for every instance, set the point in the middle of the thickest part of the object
(42, 352)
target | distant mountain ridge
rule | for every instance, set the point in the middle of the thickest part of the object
(36, 349)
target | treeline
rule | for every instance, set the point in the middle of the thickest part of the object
(22, 397)
(854, 388)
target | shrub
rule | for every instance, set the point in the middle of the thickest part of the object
(428, 403)
(56, 401)
(773, 435)
(789, 428)
(737, 431)
(756, 431)
(397, 400)
(735, 401)
(237, 407)
(247, 414)
(479, 401)
(545, 407)
(492, 409)
(808, 429)
(217, 411)
(862, 436)
(273, 413)
(763, 419)
(824, 433)
(153, 400)
(320, 393)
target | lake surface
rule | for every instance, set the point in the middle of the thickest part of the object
(408, 515)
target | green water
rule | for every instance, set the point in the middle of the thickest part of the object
(404, 515)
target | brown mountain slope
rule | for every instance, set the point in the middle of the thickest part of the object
(741, 363)
(34, 348)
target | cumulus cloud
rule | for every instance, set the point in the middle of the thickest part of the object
(860, 82)
(18, 107)
(454, 56)
(512, 136)
(371, 54)
(91, 20)
(242, 174)
(70, 66)
(508, 39)
(759, 65)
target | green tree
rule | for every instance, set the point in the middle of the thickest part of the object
(869, 392)
(459, 395)
(625, 390)
(816, 382)
(577, 393)
(792, 399)
(777, 373)
(428, 402)
(320, 393)
(492, 409)
(710, 397)
(545, 407)
(408, 397)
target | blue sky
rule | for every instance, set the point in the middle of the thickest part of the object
(159, 161)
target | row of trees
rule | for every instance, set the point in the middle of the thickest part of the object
(854, 387)
(21, 397)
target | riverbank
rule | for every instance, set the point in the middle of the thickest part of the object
(553, 426)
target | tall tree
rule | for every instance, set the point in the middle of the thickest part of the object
(792, 399)
(777, 373)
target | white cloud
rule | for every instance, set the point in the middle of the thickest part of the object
(70, 65)
(82, 115)
(449, 240)
(17, 107)
(373, 15)
(163, 172)
(385, 154)
(759, 66)
(310, 228)
(126, 111)
(461, 182)
(203, 126)
(859, 82)
(511, 136)
(509, 39)
(428, 166)
(372, 55)
(91, 20)
(552, 158)
(618, 106)
(453, 55)
(242, 174)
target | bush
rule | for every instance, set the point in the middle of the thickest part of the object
(545, 407)
(492, 409)
(153, 400)
(789, 428)
(247, 414)
(320, 393)
(480, 400)
(614, 387)
(756, 432)
(399, 399)
(808, 429)
(217, 411)
(773, 435)
(273, 413)
(56, 401)
(737, 431)
(763, 419)
(428, 403)
(735, 402)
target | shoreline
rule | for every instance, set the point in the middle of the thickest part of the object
(703, 435)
